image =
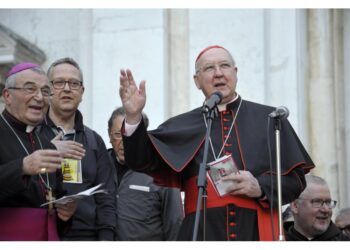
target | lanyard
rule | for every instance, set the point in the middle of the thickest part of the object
(60, 129)
(228, 135)
(47, 183)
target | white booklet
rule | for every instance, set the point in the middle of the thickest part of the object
(88, 192)
(220, 168)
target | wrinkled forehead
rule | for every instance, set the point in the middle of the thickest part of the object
(215, 55)
(30, 76)
(315, 190)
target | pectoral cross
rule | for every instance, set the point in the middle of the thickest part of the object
(49, 198)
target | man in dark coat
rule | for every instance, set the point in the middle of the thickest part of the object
(29, 165)
(312, 213)
(145, 211)
(94, 218)
(172, 153)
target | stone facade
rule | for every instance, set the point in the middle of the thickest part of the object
(298, 58)
(15, 49)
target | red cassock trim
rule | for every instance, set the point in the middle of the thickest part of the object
(263, 210)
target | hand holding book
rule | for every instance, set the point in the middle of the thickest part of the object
(244, 184)
(220, 168)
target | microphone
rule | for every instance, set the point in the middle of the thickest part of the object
(213, 100)
(281, 113)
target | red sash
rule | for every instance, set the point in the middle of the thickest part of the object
(27, 224)
(214, 200)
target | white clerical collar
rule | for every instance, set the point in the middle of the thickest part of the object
(222, 107)
(29, 128)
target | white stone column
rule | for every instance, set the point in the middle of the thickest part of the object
(339, 103)
(322, 96)
(85, 61)
(177, 70)
(283, 72)
(344, 178)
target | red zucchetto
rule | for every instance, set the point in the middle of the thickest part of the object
(209, 48)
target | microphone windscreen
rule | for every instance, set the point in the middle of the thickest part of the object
(219, 94)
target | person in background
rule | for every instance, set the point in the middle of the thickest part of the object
(342, 221)
(312, 213)
(29, 165)
(173, 153)
(95, 215)
(287, 218)
(145, 211)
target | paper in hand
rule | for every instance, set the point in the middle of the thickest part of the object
(222, 167)
(66, 199)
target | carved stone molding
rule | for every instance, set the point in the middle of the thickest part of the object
(15, 49)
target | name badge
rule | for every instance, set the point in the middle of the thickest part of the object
(72, 171)
(139, 188)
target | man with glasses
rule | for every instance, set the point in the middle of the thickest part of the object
(343, 221)
(145, 211)
(95, 215)
(173, 153)
(312, 213)
(29, 165)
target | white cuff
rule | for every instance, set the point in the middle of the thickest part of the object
(130, 128)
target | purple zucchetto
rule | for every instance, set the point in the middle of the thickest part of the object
(20, 67)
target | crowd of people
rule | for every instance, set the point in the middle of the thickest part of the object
(47, 152)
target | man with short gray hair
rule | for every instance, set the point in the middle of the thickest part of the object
(312, 213)
(145, 211)
(29, 165)
(173, 153)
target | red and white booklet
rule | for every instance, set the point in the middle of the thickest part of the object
(220, 168)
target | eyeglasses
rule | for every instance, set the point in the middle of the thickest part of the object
(210, 68)
(31, 90)
(317, 203)
(116, 135)
(61, 84)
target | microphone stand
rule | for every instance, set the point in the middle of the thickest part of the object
(277, 128)
(201, 179)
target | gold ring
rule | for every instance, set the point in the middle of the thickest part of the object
(43, 170)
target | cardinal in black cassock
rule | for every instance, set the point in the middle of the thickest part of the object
(173, 153)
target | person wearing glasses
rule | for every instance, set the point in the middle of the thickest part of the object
(343, 221)
(173, 154)
(312, 213)
(95, 215)
(29, 165)
(145, 211)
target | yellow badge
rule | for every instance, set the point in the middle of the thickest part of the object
(71, 171)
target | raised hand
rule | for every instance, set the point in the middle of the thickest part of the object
(132, 96)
